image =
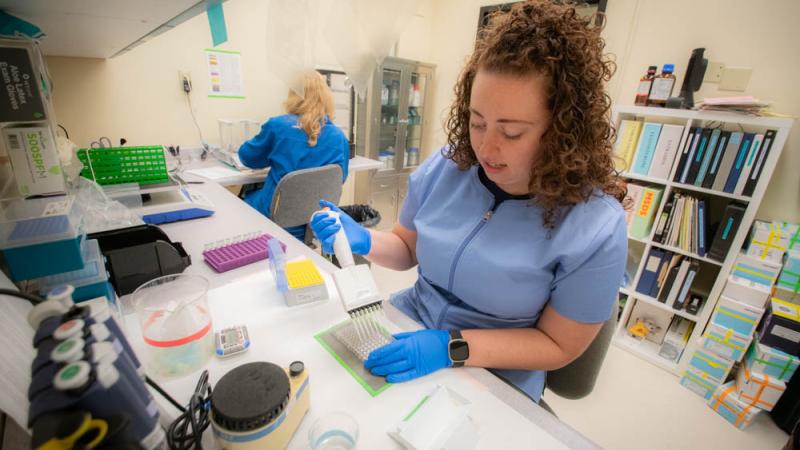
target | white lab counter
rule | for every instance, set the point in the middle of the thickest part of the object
(228, 176)
(504, 418)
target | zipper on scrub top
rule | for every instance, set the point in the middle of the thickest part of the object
(488, 215)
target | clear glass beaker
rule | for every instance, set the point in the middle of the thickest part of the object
(334, 431)
(176, 324)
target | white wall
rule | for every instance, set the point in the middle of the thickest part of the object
(137, 96)
(639, 33)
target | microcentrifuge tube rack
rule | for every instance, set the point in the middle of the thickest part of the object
(237, 251)
(362, 334)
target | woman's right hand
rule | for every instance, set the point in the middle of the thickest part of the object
(325, 228)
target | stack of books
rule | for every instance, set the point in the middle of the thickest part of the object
(683, 224)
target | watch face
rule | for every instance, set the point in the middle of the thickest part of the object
(459, 350)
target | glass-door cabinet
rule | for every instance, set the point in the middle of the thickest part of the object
(397, 115)
(394, 117)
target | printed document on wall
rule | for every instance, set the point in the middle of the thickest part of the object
(225, 74)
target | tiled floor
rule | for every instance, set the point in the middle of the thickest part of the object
(636, 405)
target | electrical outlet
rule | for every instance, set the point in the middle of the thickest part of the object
(735, 79)
(185, 80)
(714, 72)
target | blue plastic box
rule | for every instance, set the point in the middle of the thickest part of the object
(89, 282)
(40, 237)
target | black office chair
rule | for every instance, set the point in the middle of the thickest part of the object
(298, 194)
(576, 380)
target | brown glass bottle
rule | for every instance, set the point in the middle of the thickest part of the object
(662, 86)
(645, 83)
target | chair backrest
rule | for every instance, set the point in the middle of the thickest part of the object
(576, 379)
(298, 194)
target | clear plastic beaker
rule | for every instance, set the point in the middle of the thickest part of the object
(176, 323)
(334, 431)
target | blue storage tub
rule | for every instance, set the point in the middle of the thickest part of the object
(41, 236)
(89, 282)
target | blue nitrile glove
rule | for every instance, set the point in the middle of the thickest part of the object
(412, 355)
(325, 228)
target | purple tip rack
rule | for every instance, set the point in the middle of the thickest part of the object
(237, 252)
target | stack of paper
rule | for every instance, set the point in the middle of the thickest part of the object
(742, 104)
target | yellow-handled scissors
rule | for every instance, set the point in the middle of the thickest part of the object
(84, 426)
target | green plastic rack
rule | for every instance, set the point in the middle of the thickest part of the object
(117, 165)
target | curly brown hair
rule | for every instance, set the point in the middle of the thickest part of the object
(575, 157)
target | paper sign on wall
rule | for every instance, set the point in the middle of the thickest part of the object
(225, 75)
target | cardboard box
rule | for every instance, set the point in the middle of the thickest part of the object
(739, 317)
(756, 270)
(699, 382)
(789, 278)
(727, 403)
(716, 366)
(781, 327)
(794, 238)
(786, 295)
(725, 341)
(20, 74)
(758, 389)
(34, 159)
(771, 361)
(769, 240)
(746, 291)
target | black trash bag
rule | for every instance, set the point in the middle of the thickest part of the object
(365, 215)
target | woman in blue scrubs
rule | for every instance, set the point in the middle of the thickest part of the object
(516, 224)
(303, 138)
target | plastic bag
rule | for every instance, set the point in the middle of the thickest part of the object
(365, 215)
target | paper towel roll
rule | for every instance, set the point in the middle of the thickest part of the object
(17, 354)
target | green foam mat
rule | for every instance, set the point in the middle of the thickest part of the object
(347, 359)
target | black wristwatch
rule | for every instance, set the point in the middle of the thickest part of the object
(457, 348)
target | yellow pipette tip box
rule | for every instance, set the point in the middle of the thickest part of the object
(305, 283)
(302, 274)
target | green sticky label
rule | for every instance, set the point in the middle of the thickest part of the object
(69, 372)
(416, 408)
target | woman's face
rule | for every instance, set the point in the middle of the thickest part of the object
(508, 116)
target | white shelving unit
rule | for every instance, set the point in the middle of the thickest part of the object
(734, 122)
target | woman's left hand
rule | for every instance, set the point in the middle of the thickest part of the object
(412, 355)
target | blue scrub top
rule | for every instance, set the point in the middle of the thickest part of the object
(283, 146)
(501, 271)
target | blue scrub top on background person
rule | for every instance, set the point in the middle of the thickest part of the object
(498, 270)
(283, 146)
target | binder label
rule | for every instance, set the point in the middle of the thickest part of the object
(647, 203)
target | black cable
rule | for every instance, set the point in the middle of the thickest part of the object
(29, 297)
(65, 130)
(164, 394)
(186, 432)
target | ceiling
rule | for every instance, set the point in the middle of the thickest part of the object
(100, 28)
